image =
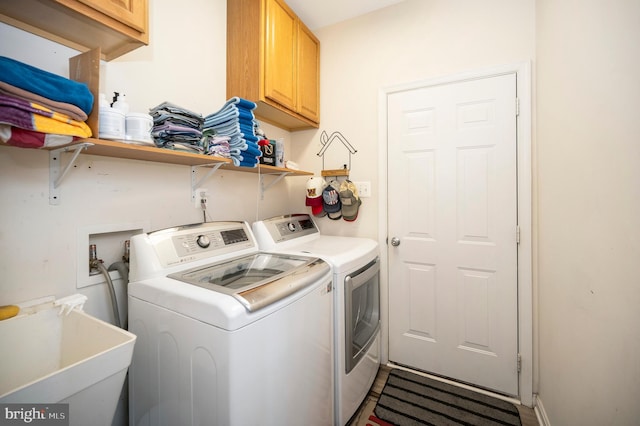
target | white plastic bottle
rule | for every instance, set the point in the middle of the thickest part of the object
(121, 104)
(279, 153)
(111, 123)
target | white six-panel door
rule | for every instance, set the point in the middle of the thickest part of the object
(452, 206)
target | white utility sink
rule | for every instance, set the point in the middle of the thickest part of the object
(50, 356)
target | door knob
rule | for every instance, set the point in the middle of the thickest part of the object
(395, 241)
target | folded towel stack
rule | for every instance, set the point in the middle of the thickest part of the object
(177, 128)
(217, 145)
(235, 120)
(38, 108)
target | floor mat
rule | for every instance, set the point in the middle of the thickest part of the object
(374, 421)
(410, 399)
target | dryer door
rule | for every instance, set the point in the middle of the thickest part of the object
(362, 312)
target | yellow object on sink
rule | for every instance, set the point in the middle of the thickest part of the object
(8, 311)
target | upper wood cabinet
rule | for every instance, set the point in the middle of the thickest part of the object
(308, 74)
(273, 59)
(115, 26)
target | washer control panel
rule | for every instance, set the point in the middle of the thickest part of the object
(207, 240)
(285, 228)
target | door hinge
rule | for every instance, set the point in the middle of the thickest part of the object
(517, 107)
(517, 234)
(519, 362)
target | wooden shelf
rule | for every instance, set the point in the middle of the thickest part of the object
(123, 150)
(335, 173)
(117, 149)
(85, 68)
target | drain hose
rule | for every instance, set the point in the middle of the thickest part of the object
(123, 268)
(112, 292)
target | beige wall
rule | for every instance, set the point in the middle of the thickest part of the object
(413, 40)
(588, 68)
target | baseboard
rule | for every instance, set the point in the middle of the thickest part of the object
(540, 413)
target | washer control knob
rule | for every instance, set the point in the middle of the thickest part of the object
(291, 226)
(203, 241)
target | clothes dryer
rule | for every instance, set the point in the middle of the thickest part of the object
(355, 266)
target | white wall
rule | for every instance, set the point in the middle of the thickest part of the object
(39, 248)
(589, 211)
(413, 40)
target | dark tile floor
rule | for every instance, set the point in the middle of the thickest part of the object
(527, 415)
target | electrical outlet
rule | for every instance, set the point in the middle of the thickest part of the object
(199, 195)
(364, 189)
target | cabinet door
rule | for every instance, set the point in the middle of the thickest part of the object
(308, 74)
(132, 13)
(280, 54)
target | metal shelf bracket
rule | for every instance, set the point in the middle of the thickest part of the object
(195, 183)
(56, 175)
(278, 178)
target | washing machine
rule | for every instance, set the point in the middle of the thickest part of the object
(356, 270)
(227, 334)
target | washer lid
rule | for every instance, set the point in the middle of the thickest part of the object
(257, 280)
(297, 234)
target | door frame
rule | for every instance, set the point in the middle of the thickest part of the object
(524, 188)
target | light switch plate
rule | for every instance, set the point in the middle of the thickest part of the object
(364, 189)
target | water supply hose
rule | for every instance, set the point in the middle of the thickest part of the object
(112, 292)
(123, 269)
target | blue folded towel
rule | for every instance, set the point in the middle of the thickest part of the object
(252, 151)
(231, 114)
(235, 130)
(235, 120)
(45, 84)
(240, 103)
(243, 163)
(235, 103)
(237, 141)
